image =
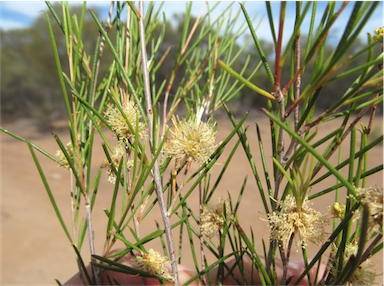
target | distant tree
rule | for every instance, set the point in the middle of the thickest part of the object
(29, 83)
(30, 86)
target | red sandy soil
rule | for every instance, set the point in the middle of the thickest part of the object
(34, 247)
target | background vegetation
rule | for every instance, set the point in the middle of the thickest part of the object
(149, 157)
(29, 81)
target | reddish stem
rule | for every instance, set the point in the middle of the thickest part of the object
(279, 43)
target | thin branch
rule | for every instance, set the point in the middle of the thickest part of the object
(367, 253)
(283, 261)
(202, 254)
(127, 49)
(286, 262)
(211, 81)
(278, 64)
(373, 107)
(88, 210)
(293, 145)
(91, 238)
(155, 169)
(362, 113)
(280, 147)
(298, 80)
(175, 70)
(279, 95)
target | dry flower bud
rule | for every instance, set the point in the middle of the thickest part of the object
(338, 210)
(379, 33)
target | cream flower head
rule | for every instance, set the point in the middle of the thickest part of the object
(373, 197)
(306, 222)
(61, 159)
(153, 263)
(118, 123)
(115, 158)
(191, 140)
(363, 275)
(212, 217)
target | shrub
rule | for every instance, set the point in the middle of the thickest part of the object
(170, 128)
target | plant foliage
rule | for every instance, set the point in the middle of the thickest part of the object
(163, 147)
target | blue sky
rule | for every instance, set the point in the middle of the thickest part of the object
(19, 14)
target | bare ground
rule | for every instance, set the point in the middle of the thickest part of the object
(34, 247)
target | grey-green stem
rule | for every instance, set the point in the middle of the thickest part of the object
(155, 169)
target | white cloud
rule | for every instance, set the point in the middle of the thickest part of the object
(29, 9)
(10, 24)
(21, 14)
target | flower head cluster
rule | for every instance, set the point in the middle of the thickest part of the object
(115, 158)
(192, 140)
(306, 222)
(373, 197)
(61, 159)
(379, 35)
(363, 275)
(153, 263)
(213, 217)
(119, 124)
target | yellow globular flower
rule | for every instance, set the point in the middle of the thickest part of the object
(191, 140)
(115, 158)
(306, 222)
(338, 210)
(119, 124)
(212, 217)
(62, 160)
(153, 263)
(379, 35)
(373, 197)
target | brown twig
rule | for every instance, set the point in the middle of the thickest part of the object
(278, 64)
(174, 72)
(279, 95)
(341, 139)
(127, 49)
(298, 80)
(369, 249)
(286, 261)
(293, 145)
(211, 81)
(373, 107)
(309, 57)
(185, 89)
